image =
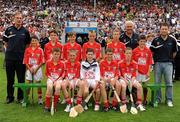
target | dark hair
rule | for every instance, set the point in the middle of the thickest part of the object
(71, 34)
(142, 37)
(53, 31)
(56, 49)
(89, 50)
(34, 37)
(109, 50)
(164, 24)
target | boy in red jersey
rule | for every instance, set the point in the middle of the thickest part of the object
(93, 45)
(55, 75)
(143, 56)
(53, 43)
(34, 59)
(128, 69)
(117, 46)
(109, 75)
(72, 45)
(72, 74)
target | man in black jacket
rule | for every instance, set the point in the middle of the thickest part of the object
(16, 39)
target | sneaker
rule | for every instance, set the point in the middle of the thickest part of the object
(40, 101)
(96, 107)
(63, 101)
(155, 104)
(67, 109)
(140, 107)
(19, 101)
(170, 104)
(85, 107)
(46, 109)
(105, 109)
(115, 108)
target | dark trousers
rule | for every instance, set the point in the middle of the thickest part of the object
(13, 67)
(177, 66)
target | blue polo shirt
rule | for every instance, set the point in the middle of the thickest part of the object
(16, 39)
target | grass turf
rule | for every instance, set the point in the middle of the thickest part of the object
(34, 113)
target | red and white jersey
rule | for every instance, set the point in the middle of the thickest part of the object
(118, 50)
(72, 70)
(109, 70)
(143, 59)
(54, 71)
(95, 46)
(90, 71)
(76, 47)
(128, 71)
(33, 57)
(48, 49)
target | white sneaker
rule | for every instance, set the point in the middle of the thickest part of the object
(40, 101)
(68, 108)
(96, 107)
(85, 107)
(170, 104)
(140, 107)
(63, 101)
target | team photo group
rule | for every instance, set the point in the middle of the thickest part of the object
(124, 64)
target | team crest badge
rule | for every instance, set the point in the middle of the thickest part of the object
(114, 68)
(38, 55)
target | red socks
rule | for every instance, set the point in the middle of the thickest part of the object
(114, 103)
(79, 100)
(68, 101)
(39, 93)
(56, 97)
(48, 102)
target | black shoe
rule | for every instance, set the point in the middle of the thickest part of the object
(8, 100)
(46, 109)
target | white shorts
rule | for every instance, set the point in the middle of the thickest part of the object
(49, 81)
(133, 82)
(108, 81)
(37, 77)
(141, 77)
(91, 83)
(74, 82)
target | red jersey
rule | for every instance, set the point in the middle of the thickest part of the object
(76, 47)
(48, 49)
(72, 70)
(118, 50)
(95, 46)
(33, 57)
(109, 70)
(143, 59)
(54, 71)
(128, 71)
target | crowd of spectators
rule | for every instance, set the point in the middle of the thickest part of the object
(147, 15)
